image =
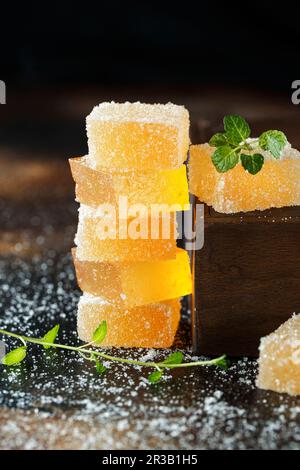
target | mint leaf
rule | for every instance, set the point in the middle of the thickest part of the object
(225, 158)
(174, 358)
(14, 357)
(252, 163)
(237, 129)
(218, 139)
(155, 376)
(50, 337)
(274, 142)
(234, 141)
(100, 367)
(100, 333)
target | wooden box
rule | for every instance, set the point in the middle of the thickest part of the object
(246, 279)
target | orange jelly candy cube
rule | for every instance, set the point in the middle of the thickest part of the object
(137, 282)
(137, 135)
(143, 238)
(149, 326)
(276, 185)
(279, 360)
(95, 187)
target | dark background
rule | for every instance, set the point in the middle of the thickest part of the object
(59, 59)
(113, 42)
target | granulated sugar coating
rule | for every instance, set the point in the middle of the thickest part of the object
(136, 283)
(95, 187)
(57, 400)
(103, 239)
(279, 360)
(149, 326)
(137, 135)
(276, 185)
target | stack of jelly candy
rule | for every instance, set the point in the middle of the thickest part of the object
(136, 152)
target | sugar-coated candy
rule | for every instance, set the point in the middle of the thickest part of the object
(107, 238)
(137, 282)
(279, 359)
(276, 185)
(137, 135)
(150, 326)
(95, 187)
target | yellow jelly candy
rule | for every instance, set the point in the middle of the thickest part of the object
(95, 187)
(137, 135)
(276, 185)
(279, 360)
(101, 238)
(149, 326)
(138, 282)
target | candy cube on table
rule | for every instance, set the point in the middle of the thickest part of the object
(137, 282)
(95, 187)
(138, 136)
(276, 185)
(149, 326)
(279, 360)
(95, 243)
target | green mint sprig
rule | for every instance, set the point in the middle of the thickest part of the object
(173, 361)
(234, 140)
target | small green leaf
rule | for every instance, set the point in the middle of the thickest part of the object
(50, 337)
(252, 163)
(100, 333)
(237, 129)
(274, 142)
(223, 363)
(218, 140)
(225, 158)
(14, 357)
(100, 367)
(174, 358)
(155, 376)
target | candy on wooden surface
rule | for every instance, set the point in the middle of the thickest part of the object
(95, 187)
(138, 282)
(137, 135)
(276, 185)
(279, 360)
(101, 238)
(150, 326)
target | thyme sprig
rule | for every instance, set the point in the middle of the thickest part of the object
(173, 361)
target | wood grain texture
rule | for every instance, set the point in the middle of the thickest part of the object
(247, 279)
